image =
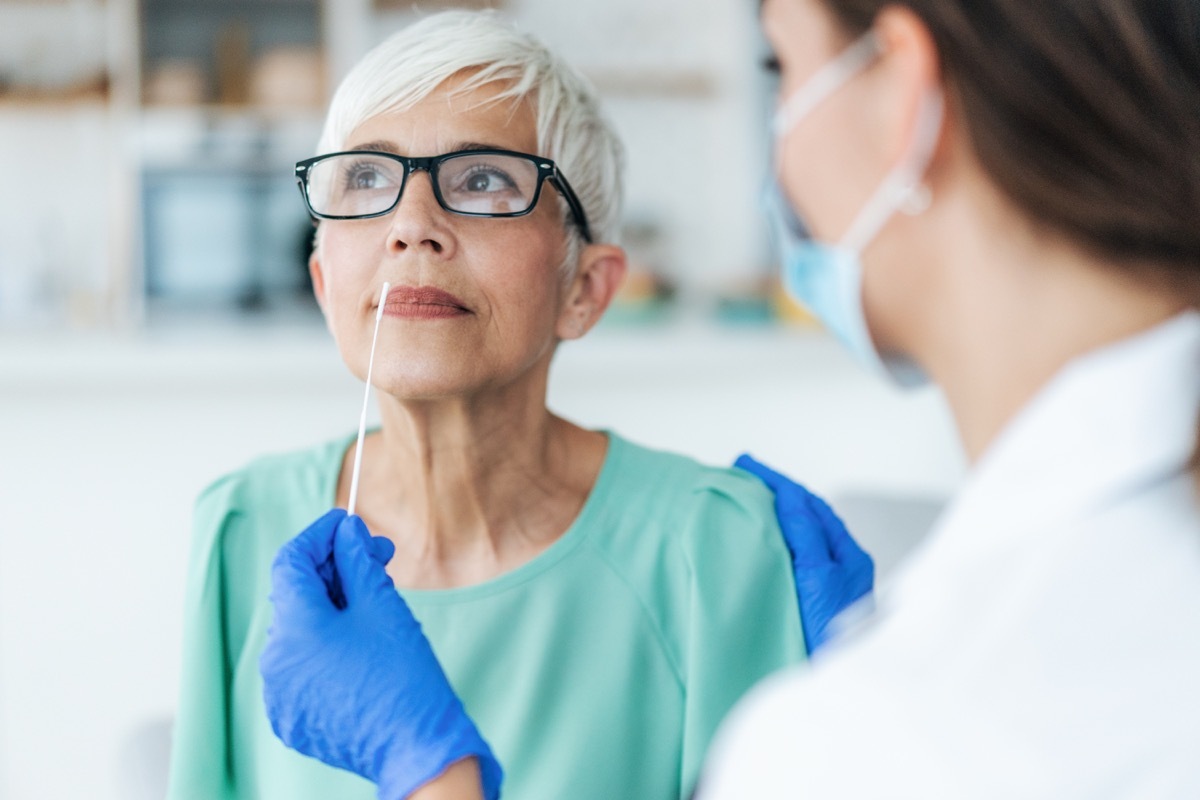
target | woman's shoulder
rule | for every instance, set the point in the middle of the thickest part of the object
(682, 508)
(279, 477)
(676, 484)
(690, 538)
(269, 499)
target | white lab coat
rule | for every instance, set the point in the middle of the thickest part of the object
(1044, 642)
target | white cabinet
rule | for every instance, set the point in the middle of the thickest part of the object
(67, 80)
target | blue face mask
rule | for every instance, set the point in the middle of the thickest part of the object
(827, 278)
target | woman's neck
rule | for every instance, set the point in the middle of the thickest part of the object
(468, 489)
(1020, 308)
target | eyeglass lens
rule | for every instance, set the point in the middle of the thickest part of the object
(361, 184)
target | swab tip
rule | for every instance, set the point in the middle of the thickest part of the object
(382, 300)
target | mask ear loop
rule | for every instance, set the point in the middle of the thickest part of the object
(826, 81)
(929, 127)
(902, 188)
(362, 419)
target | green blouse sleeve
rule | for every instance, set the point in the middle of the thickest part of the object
(744, 622)
(200, 764)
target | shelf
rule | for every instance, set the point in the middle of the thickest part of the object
(434, 5)
(209, 6)
(234, 111)
(52, 102)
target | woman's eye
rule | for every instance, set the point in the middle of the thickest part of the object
(489, 181)
(364, 179)
(364, 175)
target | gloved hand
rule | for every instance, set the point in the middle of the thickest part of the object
(832, 572)
(381, 549)
(357, 685)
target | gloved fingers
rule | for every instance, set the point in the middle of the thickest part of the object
(805, 531)
(361, 574)
(328, 572)
(382, 549)
(298, 590)
(316, 541)
(755, 467)
(305, 557)
(842, 545)
(787, 499)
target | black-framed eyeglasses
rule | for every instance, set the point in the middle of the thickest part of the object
(359, 184)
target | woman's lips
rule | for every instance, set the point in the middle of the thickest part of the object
(422, 302)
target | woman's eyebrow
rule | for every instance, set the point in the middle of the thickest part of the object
(477, 146)
(378, 147)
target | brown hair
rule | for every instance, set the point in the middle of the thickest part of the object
(1085, 113)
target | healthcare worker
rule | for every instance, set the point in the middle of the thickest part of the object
(1003, 196)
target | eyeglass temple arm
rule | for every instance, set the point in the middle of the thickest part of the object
(573, 203)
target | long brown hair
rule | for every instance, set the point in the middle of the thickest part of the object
(1086, 114)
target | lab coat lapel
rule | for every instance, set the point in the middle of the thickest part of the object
(1110, 423)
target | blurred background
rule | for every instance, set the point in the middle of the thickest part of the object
(157, 327)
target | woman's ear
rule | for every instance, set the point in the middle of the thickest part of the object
(599, 275)
(317, 273)
(910, 74)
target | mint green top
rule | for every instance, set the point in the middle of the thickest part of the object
(598, 670)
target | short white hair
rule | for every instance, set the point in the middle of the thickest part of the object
(572, 130)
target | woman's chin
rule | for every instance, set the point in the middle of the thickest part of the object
(423, 390)
(432, 381)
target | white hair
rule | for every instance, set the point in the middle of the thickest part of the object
(571, 128)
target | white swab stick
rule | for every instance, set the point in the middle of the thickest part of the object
(362, 419)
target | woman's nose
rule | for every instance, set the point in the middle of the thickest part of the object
(418, 221)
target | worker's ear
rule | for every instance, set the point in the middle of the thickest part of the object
(597, 278)
(907, 75)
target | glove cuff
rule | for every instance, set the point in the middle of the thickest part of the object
(407, 769)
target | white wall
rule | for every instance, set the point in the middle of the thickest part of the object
(104, 443)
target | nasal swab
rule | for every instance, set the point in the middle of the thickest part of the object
(362, 419)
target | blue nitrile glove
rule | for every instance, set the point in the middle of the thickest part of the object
(832, 572)
(381, 549)
(356, 684)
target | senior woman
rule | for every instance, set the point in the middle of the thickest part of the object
(1003, 194)
(598, 606)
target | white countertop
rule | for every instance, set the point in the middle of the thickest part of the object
(105, 440)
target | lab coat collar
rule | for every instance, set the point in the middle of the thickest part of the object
(1111, 422)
